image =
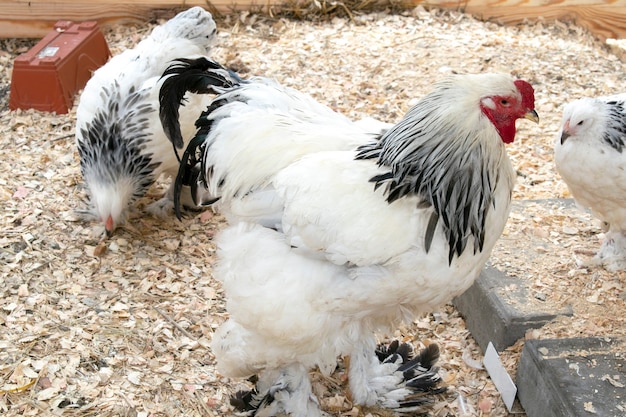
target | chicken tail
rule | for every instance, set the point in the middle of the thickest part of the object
(200, 76)
(191, 173)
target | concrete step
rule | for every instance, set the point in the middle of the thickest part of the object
(579, 377)
(555, 378)
(500, 309)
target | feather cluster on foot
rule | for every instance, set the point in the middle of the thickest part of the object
(422, 377)
(419, 379)
(394, 352)
(415, 389)
(285, 391)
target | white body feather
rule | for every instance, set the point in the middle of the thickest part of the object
(359, 266)
(117, 115)
(591, 159)
(287, 125)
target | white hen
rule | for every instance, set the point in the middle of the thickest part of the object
(121, 144)
(589, 156)
(359, 239)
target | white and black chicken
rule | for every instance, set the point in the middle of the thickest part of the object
(121, 144)
(329, 247)
(590, 156)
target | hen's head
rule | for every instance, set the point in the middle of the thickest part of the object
(585, 118)
(111, 202)
(115, 179)
(503, 101)
(194, 24)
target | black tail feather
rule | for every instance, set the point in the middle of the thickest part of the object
(200, 76)
(188, 161)
(198, 184)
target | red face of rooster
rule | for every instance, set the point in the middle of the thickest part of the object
(504, 110)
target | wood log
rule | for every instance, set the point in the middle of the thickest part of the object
(34, 18)
(604, 18)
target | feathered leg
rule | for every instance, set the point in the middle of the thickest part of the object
(283, 391)
(420, 375)
(612, 253)
(388, 377)
(370, 379)
(164, 207)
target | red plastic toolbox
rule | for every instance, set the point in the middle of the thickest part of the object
(48, 76)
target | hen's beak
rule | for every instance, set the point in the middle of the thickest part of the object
(532, 116)
(565, 133)
(109, 226)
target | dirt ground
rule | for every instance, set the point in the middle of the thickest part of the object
(127, 333)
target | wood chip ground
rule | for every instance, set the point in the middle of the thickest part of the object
(122, 327)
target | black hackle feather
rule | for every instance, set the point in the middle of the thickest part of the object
(430, 231)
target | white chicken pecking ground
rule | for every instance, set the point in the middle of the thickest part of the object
(329, 247)
(590, 156)
(122, 147)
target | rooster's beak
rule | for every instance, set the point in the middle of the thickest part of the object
(532, 116)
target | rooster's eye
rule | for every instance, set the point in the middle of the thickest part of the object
(504, 102)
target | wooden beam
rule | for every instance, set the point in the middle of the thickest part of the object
(34, 18)
(604, 18)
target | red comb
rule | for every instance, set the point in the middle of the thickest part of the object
(527, 92)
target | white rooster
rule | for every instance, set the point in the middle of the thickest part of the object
(335, 245)
(590, 156)
(121, 144)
